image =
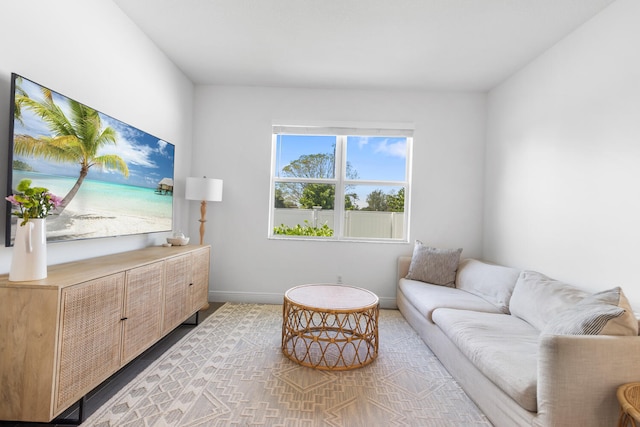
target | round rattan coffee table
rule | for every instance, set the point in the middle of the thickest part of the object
(332, 327)
(629, 399)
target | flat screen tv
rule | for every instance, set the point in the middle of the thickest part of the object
(114, 179)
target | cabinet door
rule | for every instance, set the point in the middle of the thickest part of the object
(89, 340)
(199, 290)
(177, 278)
(142, 309)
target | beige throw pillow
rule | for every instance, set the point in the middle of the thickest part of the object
(603, 313)
(433, 265)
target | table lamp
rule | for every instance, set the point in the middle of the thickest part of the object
(204, 189)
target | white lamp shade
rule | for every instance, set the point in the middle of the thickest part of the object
(207, 189)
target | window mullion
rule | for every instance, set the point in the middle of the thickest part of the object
(272, 190)
(341, 168)
(373, 182)
(306, 180)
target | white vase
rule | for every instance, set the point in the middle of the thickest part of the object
(29, 261)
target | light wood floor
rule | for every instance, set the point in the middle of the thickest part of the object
(101, 394)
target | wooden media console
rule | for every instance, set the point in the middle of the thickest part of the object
(62, 336)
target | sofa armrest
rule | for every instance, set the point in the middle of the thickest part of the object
(403, 267)
(578, 376)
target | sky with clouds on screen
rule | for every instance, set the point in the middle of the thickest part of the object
(148, 158)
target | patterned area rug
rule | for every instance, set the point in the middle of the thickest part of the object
(230, 371)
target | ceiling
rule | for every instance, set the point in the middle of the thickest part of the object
(357, 44)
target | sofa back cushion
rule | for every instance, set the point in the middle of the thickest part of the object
(493, 283)
(536, 298)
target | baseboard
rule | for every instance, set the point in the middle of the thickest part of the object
(271, 298)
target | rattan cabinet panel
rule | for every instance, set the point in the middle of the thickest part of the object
(60, 337)
(142, 317)
(186, 287)
(199, 289)
(177, 276)
(90, 330)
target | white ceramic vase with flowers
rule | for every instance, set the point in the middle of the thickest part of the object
(32, 205)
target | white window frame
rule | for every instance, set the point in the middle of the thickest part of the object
(340, 180)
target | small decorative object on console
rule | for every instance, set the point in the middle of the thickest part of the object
(178, 239)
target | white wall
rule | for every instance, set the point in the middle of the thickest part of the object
(563, 158)
(232, 141)
(92, 52)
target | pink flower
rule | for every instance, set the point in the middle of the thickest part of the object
(12, 200)
(57, 201)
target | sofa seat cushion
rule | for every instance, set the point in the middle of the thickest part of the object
(426, 297)
(503, 347)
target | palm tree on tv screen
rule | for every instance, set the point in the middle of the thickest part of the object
(76, 139)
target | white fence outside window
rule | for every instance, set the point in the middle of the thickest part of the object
(366, 224)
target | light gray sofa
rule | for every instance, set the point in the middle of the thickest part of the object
(496, 332)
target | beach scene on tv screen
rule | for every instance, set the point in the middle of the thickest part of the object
(113, 178)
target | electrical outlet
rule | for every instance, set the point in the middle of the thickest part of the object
(339, 279)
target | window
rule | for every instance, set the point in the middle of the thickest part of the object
(340, 184)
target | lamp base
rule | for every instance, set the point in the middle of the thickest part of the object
(203, 219)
